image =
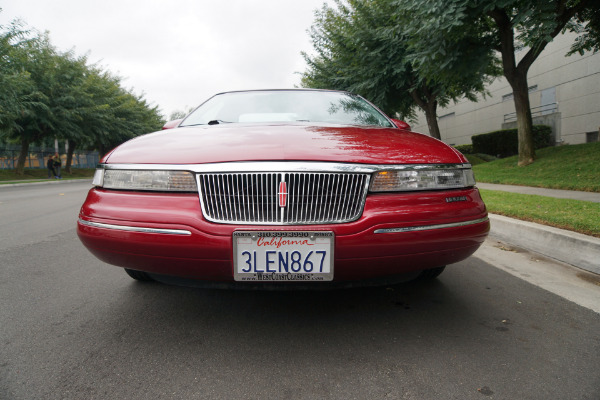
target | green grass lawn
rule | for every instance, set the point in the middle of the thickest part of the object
(474, 159)
(9, 175)
(573, 215)
(571, 167)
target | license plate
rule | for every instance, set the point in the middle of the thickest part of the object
(283, 256)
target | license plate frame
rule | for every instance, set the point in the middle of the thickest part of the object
(308, 256)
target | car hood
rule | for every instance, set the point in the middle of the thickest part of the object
(295, 142)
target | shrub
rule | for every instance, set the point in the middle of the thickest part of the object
(465, 148)
(486, 157)
(505, 143)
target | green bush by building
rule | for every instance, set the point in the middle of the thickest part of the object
(505, 143)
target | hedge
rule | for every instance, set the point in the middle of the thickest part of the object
(505, 143)
(465, 148)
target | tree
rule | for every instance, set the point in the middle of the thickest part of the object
(179, 114)
(68, 101)
(34, 120)
(111, 114)
(504, 26)
(361, 46)
(46, 94)
(56, 109)
(18, 93)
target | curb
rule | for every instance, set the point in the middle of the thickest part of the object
(49, 182)
(572, 248)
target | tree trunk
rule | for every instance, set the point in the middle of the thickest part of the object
(432, 122)
(70, 152)
(520, 88)
(517, 77)
(101, 149)
(22, 157)
(429, 107)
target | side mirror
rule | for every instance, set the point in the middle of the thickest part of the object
(401, 124)
(172, 124)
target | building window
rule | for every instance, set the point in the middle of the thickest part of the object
(591, 137)
(548, 101)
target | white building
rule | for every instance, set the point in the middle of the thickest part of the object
(564, 93)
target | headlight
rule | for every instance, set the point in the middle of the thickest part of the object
(166, 181)
(421, 179)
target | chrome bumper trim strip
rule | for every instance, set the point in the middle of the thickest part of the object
(135, 228)
(431, 227)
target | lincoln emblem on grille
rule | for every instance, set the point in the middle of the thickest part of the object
(282, 194)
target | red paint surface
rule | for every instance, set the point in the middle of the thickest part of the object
(290, 142)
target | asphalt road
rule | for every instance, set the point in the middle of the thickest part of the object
(72, 327)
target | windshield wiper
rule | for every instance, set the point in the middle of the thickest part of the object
(212, 122)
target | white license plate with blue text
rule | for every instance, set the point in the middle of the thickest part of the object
(283, 256)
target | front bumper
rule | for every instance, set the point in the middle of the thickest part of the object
(166, 234)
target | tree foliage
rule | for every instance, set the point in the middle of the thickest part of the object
(113, 115)
(180, 114)
(47, 94)
(362, 46)
(18, 93)
(439, 28)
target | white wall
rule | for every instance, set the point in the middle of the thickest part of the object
(577, 82)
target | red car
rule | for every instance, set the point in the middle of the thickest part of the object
(277, 188)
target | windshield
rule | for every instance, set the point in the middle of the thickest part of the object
(287, 106)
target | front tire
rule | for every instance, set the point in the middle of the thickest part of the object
(430, 274)
(139, 275)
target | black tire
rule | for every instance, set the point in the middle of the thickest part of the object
(139, 275)
(430, 274)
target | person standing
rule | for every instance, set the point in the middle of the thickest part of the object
(50, 166)
(57, 165)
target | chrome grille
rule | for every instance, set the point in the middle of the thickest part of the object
(311, 197)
